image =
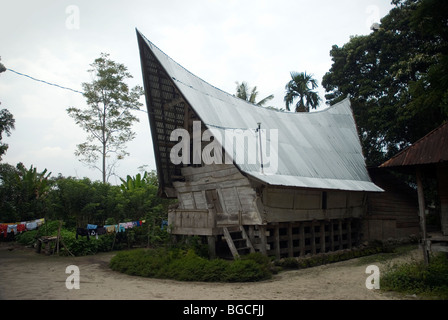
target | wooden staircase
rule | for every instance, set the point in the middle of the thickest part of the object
(238, 241)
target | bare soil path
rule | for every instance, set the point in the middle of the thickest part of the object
(26, 275)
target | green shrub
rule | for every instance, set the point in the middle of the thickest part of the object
(245, 270)
(417, 278)
(27, 238)
(186, 265)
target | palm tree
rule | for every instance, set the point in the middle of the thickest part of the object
(299, 87)
(242, 92)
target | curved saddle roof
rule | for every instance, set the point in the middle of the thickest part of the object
(312, 150)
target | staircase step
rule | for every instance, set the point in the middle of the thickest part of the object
(237, 240)
(234, 229)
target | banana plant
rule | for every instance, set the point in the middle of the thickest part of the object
(33, 182)
(132, 183)
(31, 190)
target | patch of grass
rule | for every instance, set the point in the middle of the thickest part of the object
(416, 278)
(186, 265)
(388, 253)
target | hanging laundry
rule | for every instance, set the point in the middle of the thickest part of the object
(110, 228)
(91, 226)
(100, 231)
(8, 228)
(122, 227)
(82, 232)
(12, 228)
(21, 227)
(129, 225)
(31, 225)
(4, 230)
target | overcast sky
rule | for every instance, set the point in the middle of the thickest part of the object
(220, 41)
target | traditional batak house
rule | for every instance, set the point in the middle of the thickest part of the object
(248, 178)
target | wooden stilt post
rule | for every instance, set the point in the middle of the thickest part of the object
(302, 239)
(290, 242)
(322, 237)
(313, 238)
(349, 233)
(331, 235)
(341, 246)
(211, 240)
(421, 212)
(442, 181)
(263, 240)
(277, 241)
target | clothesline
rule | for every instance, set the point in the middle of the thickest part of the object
(7, 228)
(95, 230)
(90, 230)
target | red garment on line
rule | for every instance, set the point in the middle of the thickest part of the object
(4, 230)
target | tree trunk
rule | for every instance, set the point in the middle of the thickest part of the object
(104, 163)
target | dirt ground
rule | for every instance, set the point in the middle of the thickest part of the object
(26, 275)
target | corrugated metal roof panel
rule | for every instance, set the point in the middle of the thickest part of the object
(316, 150)
(432, 148)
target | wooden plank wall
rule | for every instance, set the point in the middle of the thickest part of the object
(221, 187)
(283, 205)
(442, 179)
(393, 213)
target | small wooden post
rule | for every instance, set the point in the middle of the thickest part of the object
(59, 237)
(421, 211)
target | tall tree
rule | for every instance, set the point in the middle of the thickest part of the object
(108, 119)
(6, 123)
(243, 91)
(395, 76)
(301, 87)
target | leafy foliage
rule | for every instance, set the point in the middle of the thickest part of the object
(396, 77)
(416, 278)
(6, 122)
(244, 92)
(301, 87)
(108, 120)
(23, 192)
(6, 125)
(27, 194)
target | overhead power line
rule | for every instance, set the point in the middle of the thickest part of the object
(52, 84)
(46, 82)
